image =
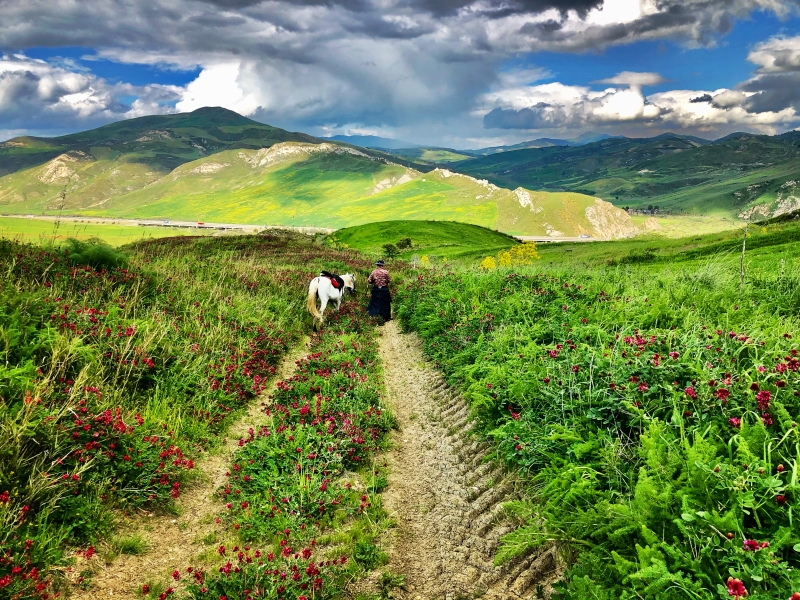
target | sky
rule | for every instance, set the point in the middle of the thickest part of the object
(450, 73)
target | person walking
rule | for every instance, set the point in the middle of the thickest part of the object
(380, 302)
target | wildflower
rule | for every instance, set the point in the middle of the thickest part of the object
(176, 575)
(735, 422)
(780, 499)
(575, 368)
(751, 545)
(736, 588)
(763, 398)
(691, 393)
(145, 589)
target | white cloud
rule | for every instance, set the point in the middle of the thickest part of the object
(579, 107)
(43, 96)
(777, 55)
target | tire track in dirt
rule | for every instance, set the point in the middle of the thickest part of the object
(173, 542)
(446, 498)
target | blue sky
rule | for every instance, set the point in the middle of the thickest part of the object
(463, 73)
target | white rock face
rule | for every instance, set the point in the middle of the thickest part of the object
(482, 182)
(609, 222)
(390, 182)
(525, 199)
(61, 167)
(787, 200)
(156, 134)
(212, 167)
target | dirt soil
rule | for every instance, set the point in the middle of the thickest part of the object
(174, 542)
(447, 499)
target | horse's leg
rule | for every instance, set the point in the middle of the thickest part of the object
(324, 300)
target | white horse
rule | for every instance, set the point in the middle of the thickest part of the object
(322, 287)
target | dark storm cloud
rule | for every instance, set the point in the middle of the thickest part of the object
(502, 8)
(212, 19)
(703, 98)
(539, 116)
(772, 92)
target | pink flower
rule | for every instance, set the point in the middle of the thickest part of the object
(763, 398)
(691, 393)
(736, 588)
(735, 422)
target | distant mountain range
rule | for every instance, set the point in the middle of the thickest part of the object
(373, 141)
(214, 165)
(742, 174)
(584, 138)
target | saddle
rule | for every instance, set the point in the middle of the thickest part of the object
(335, 280)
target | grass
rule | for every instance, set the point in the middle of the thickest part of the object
(41, 231)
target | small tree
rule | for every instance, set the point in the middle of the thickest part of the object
(404, 243)
(390, 250)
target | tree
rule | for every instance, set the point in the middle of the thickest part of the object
(390, 250)
(404, 243)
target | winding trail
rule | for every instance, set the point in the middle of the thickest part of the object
(173, 542)
(446, 497)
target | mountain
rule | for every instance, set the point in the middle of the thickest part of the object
(213, 165)
(582, 139)
(677, 173)
(93, 166)
(373, 141)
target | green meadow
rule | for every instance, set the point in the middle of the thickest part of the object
(41, 231)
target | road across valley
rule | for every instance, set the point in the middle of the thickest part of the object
(547, 238)
(175, 224)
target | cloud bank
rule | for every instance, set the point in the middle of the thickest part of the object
(420, 67)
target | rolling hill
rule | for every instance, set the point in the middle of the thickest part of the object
(433, 238)
(582, 139)
(741, 174)
(214, 165)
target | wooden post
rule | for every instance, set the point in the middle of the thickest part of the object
(741, 261)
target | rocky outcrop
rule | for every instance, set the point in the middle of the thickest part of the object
(62, 168)
(283, 151)
(608, 221)
(786, 200)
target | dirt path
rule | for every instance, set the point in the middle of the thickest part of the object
(445, 498)
(177, 541)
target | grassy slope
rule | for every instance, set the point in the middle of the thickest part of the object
(432, 238)
(195, 167)
(778, 240)
(673, 172)
(339, 190)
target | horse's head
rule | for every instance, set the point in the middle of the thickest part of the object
(349, 282)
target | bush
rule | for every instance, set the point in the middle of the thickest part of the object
(95, 253)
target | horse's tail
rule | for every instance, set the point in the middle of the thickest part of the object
(311, 302)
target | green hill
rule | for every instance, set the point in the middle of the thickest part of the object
(433, 238)
(109, 161)
(681, 174)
